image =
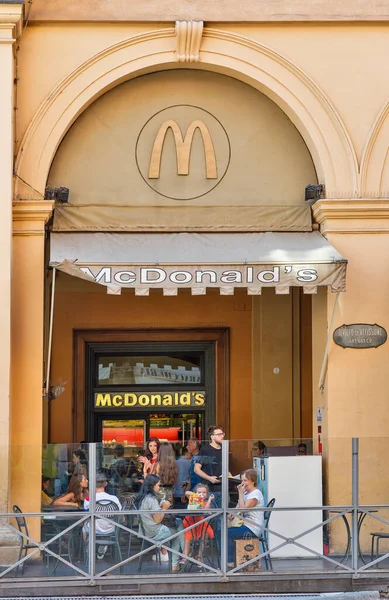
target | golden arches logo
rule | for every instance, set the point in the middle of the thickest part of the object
(183, 149)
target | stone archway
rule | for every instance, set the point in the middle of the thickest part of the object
(284, 83)
(375, 159)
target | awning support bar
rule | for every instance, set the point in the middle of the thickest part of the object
(325, 357)
(48, 364)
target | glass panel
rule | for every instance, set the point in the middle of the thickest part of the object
(49, 536)
(176, 428)
(150, 370)
(129, 433)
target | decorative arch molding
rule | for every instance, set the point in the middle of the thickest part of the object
(227, 53)
(375, 158)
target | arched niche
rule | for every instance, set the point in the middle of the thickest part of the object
(227, 53)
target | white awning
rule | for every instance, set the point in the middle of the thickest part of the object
(198, 261)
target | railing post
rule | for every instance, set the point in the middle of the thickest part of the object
(355, 502)
(224, 540)
(92, 505)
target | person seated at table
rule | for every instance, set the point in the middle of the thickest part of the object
(251, 520)
(122, 474)
(199, 499)
(152, 520)
(259, 449)
(104, 526)
(75, 496)
(46, 500)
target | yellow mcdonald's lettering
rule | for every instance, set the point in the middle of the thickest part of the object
(130, 399)
(199, 399)
(117, 400)
(136, 399)
(103, 400)
(144, 400)
(156, 399)
(185, 399)
(183, 149)
(167, 400)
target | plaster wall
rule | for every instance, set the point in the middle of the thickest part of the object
(266, 413)
(80, 305)
(328, 53)
(248, 10)
(343, 64)
(104, 158)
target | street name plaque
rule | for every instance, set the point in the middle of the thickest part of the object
(360, 335)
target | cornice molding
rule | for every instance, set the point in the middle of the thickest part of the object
(11, 22)
(29, 217)
(362, 215)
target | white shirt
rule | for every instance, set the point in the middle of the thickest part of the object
(253, 519)
(103, 526)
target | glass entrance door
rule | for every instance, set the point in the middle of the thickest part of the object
(176, 428)
(128, 434)
(132, 434)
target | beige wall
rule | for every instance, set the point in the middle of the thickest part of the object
(279, 10)
(325, 53)
(80, 305)
(105, 157)
(329, 79)
(282, 374)
(272, 349)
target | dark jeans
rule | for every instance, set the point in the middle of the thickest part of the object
(178, 503)
(235, 533)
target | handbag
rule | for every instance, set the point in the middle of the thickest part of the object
(246, 549)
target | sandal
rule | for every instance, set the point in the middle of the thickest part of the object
(176, 569)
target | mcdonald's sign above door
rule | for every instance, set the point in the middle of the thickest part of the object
(183, 152)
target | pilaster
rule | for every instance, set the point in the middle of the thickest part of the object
(27, 321)
(11, 19)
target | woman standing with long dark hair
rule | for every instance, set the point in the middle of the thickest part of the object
(152, 450)
(167, 471)
(152, 520)
(166, 466)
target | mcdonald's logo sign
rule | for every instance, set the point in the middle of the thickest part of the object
(183, 149)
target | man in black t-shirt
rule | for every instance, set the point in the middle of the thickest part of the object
(208, 466)
(208, 463)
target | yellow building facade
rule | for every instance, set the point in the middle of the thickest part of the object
(100, 98)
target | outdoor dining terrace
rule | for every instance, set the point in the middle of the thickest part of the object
(306, 539)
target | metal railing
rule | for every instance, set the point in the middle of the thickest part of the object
(54, 558)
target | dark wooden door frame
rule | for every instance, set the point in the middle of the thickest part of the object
(220, 336)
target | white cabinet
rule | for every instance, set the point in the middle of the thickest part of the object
(293, 481)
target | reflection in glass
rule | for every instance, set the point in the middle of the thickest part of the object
(149, 370)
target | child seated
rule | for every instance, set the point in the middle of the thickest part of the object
(198, 499)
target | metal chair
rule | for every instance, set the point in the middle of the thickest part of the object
(25, 546)
(375, 542)
(144, 545)
(203, 547)
(264, 538)
(111, 540)
(132, 520)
